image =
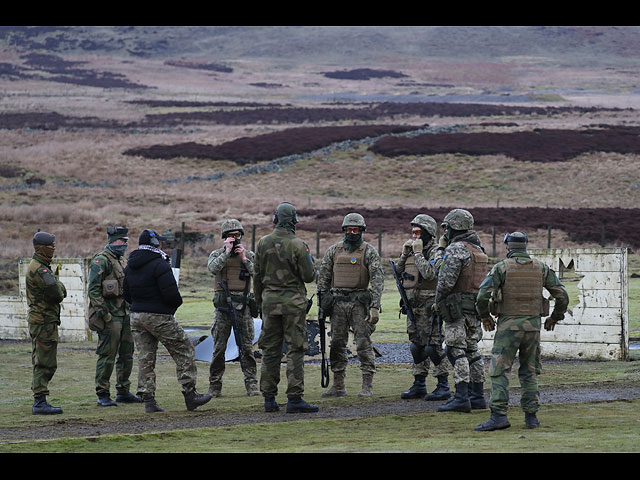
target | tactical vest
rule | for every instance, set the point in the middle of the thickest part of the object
(522, 289)
(235, 275)
(473, 274)
(349, 270)
(418, 282)
(113, 281)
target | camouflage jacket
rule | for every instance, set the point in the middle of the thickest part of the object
(45, 292)
(218, 258)
(371, 261)
(455, 258)
(495, 280)
(283, 266)
(428, 263)
(100, 268)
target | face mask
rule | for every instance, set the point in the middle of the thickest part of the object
(45, 252)
(118, 250)
(352, 241)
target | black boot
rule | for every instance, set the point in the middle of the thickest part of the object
(476, 396)
(497, 421)
(442, 391)
(42, 407)
(104, 400)
(151, 406)
(194, 399)
(531, 421)
(417, 390)
(298, 405)
(460, 401)
(127, 397)
(270, 404)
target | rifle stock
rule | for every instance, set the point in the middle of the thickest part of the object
(324, 366)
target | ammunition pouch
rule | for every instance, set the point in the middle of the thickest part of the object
(326, 303)
(456, 305)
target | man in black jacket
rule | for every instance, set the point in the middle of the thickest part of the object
(152, 291)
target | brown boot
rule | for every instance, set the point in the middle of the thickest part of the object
(338, 389)
(367, 385)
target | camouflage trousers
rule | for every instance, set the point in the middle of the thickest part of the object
(345, 315)
(461, 337)
(44, 350)
(115, 340)
(286, 323)
(150, 328)
(420, 335)
(221, 331)
(506, 344)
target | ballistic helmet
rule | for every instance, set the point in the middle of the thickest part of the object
(425, 222)
(458, 219)
(231, 225)
(516, 240)
(354, 220)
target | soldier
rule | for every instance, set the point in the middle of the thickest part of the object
(45, 293)
(350, 283)
(151, 289)
(512, 291)
(420, 260)
(283, 267)
(109, 316)
(232, 264)
(463, 268)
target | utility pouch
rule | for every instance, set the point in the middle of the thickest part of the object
(453, 305)
(252, 305)
(110, 289)
(327, 302)
(545, 307)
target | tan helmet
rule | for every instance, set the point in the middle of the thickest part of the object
(516, 240)
(354, 220)
(425, 222)
(458, 219)
(231, 225)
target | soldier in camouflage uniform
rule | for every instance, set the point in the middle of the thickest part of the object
(283, 266)
(463, 268)
(45, 293)
(109, 316)
(350, 283)
(418, 266)
(512, 291)
(234, 265)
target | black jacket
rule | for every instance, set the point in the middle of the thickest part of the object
(149, 284)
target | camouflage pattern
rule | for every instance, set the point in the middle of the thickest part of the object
(116, 339)
(463, 334)
(428, 262)
(149, 329)
(45, 293)
(221, 327)
(283, 267)
(517, 334)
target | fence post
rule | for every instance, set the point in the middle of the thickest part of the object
(493, 234)
(253, 237)
(317, 243)
(380, 241)
(548, 236)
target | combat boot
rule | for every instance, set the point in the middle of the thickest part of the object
(194, 399)
(497, 421)
(42, 407)
(476, 396)
(531, 421)
(270, 404)
(104, 400)
(337, 389)
(442, 391)
(127, 397)
(252, 390)
(151, 406)
(417, 390)
(460, 401)
(298, 405)
(367, 385)
(215, 389)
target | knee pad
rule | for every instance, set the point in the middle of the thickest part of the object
(417, 352)
(449, 352)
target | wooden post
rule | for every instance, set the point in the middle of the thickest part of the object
(493, 234)
(380, 241)
(317, 243)
(253, 238)
(548, 236)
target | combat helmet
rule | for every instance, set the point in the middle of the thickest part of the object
(425, 222)
(231, 225)
(458, 219)
(516, 240)
(354, 220)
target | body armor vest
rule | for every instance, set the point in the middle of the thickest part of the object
(234, 273)
(472, 275)
(418, 282)
(522, 289)
(349, 270)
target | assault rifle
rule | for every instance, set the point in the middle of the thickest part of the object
(403, 294)
(235, 324)
(324, 366)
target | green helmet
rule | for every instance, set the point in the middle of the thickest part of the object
(458, 219)
(231, 225)
(354, 220)
(425, 222)
(516, 240)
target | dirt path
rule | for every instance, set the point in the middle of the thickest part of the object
(208, 418)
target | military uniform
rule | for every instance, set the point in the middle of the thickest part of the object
(513, 291)
(45, 293)
(236, 272)
(109, 317)
(350, 282)
(283, 267)
(463, 268)
(418, 267)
